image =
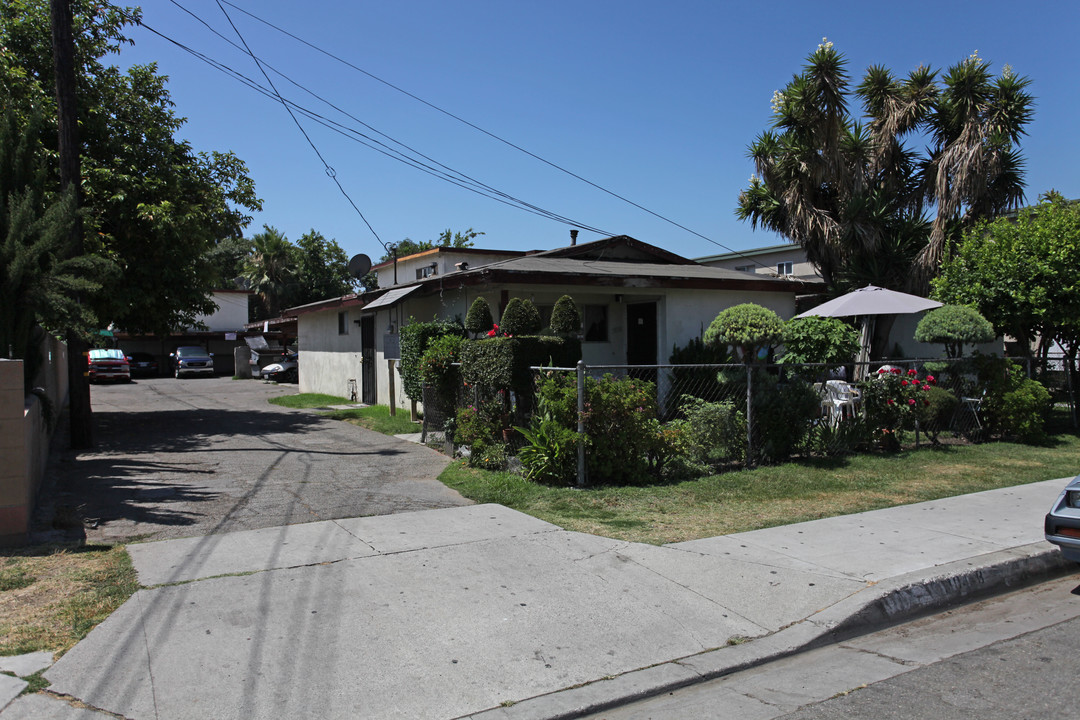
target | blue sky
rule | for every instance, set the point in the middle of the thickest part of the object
(653, 101)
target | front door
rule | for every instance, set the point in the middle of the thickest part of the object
(641, 343)
(367, 352)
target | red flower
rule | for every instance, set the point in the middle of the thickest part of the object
(890, 401)
(903, 382)
(930, 379)
(925, 387)
(911, 401)
(896, 371)
(926, 402)
(912, 372)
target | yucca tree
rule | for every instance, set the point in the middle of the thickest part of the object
(855, 196)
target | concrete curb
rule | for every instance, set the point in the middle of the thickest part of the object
(877, 606)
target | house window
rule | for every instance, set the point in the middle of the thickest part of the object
(594, 322)
(745, 268)
(784, 268)
(427, 271)
(343, 323)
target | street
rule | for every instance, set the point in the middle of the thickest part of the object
(1012, 656)
(178, 458)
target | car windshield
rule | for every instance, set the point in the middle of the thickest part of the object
(190, 352)
(106, 354)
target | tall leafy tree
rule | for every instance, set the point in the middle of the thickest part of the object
(853, 193)
(1020, 273)
(323, 269)
(154, 207)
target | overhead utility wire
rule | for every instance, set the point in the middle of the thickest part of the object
(524, 205)
(488, 133)
(329, 170)
(463, 181)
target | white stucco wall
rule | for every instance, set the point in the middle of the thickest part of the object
(330, 360)
(231, 314)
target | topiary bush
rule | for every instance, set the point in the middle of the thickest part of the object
(520, 318)
(715, 432)
(697, 381)
(747, 329)
(479, 319)
(565, 317)
(954, 325)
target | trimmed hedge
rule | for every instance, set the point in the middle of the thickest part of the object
(415, 338)
(503, 362)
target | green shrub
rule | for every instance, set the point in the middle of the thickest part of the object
(565, 317)
(935, 412)
(624, 441)
(488, 455)
(550, 453)
(437, 368)
(415, 337)
(1013, 405)
(479, 319)
(715, 432)
(819, 340)
(954, 325)
(894, 400)
(784, 413)
(747, 329)
(700, 381)
(520, 318)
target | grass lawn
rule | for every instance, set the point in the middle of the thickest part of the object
(52, 596)
(775, 495)
(373, 417)
(378, 418)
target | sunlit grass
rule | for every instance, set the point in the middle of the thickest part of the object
(774, 495)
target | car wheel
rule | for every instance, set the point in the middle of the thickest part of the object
(292, 376)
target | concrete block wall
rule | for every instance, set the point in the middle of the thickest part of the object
(16, 431)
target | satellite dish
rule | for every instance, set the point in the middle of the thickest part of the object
(359, 265)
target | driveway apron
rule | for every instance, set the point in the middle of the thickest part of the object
(180, 458)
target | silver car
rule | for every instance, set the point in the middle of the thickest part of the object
(1062, 524)
(192, 360)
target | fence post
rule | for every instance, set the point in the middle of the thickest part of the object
(581, 422)
(749, 416)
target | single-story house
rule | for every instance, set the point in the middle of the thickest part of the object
(637, 300)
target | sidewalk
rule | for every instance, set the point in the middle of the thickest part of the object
(484, 612)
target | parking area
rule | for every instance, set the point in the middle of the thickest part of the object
(178, 458)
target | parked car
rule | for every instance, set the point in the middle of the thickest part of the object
(191, 360)
(1062, 524)
(286, 370)
(143, 364)
(108, 364)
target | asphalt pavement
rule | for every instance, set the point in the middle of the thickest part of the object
(483, 612)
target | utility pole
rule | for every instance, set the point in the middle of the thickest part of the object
(63, 44)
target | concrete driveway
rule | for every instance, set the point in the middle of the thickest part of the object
(177, 458)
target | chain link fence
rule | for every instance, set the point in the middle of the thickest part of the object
(622, 423)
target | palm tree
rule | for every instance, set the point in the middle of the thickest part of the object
(272, 269)
(852, 193)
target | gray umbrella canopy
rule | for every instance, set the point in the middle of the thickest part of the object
(872, 300)
(867, 302)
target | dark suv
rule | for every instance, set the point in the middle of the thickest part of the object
(191, 360)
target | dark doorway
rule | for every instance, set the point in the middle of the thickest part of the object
(641, 342)
(367, 352)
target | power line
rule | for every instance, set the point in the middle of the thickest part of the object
(450, 175)
(486, 132)
(329, 170)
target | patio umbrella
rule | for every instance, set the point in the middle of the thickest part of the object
(867, 303)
